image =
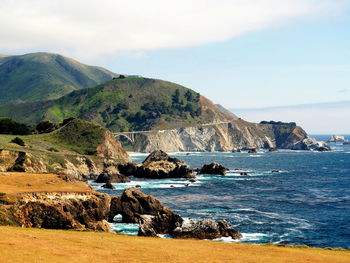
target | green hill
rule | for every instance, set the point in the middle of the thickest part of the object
(45, 76)
(123, 105)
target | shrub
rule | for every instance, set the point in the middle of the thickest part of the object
(52, 149)
(9, 126)
(18, 141)
(47, 126)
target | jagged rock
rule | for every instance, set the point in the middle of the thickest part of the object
(205, 229)
(252, 151)
(158, 165)
(273, 150)
(154, 218)
(213, 168)
(311, 144)
(60, 210)
(160, 155)
(336, 138)
(111, 178)
(108, 185)
(133, 203)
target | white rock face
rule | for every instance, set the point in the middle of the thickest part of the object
(311, 144)
(336, 138)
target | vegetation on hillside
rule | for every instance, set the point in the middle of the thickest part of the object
(9, 126)
(45, 76)
(123, 104)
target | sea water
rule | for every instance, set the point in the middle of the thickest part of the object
(306, 203)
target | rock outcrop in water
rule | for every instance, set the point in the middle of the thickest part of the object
(311, 144)
(154, 218)
(158, 165)
(336, 138)
(213, 168)
(205, 229)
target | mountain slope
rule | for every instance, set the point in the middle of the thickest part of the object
(45, 76)
(125, 104)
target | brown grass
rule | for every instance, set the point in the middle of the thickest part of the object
(34, 245)
(13, 183)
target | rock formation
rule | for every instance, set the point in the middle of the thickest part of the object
(213, 168)
(336, 138)
(58, 210)
(205, 229)
(310, 144)
(154, 218)
(158, 165)
(223, 136)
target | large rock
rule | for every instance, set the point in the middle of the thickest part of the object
(311, 144)
(160, 155)
(336, 138)
(158, 165)
(133, 204)
(155, 219)
(205, 229)
(112, 178)
(60, 210)
(213, 168)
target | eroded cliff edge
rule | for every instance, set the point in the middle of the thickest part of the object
(224, 136)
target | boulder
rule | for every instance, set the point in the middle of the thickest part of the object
(213, 168)
(311, 144)
(112, 178)
(133, 204)
(205, 229)
(160, 155)
(336, 138)
(252, 150)
(108, 185)
(154, 218)
(273, 150)
(158, 165)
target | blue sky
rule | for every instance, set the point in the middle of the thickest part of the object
(243, 54)
(303, 62)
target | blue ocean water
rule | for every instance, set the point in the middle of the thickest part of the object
(307, 202)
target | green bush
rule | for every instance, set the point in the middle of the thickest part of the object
(9, 126)
(18, 141)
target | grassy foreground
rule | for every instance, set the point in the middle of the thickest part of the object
(12, 183)
(38, 245)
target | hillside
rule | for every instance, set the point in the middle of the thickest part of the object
(125, 104)
(45, 76)
(79, 148)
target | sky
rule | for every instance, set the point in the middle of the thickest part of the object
(242, 54)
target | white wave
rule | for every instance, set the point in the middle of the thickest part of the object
(247, 237)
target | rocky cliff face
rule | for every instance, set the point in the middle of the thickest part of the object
(57, 210)
(226, 136)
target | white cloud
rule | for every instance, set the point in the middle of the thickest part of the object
(90, 29)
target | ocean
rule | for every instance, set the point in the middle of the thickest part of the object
(306, 203)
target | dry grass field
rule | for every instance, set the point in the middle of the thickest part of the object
(14, 183)
(39, 245)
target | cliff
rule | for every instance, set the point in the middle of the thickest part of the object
(225, 136)
(79, 148)
(48, 201)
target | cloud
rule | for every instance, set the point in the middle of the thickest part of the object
(90, 29)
